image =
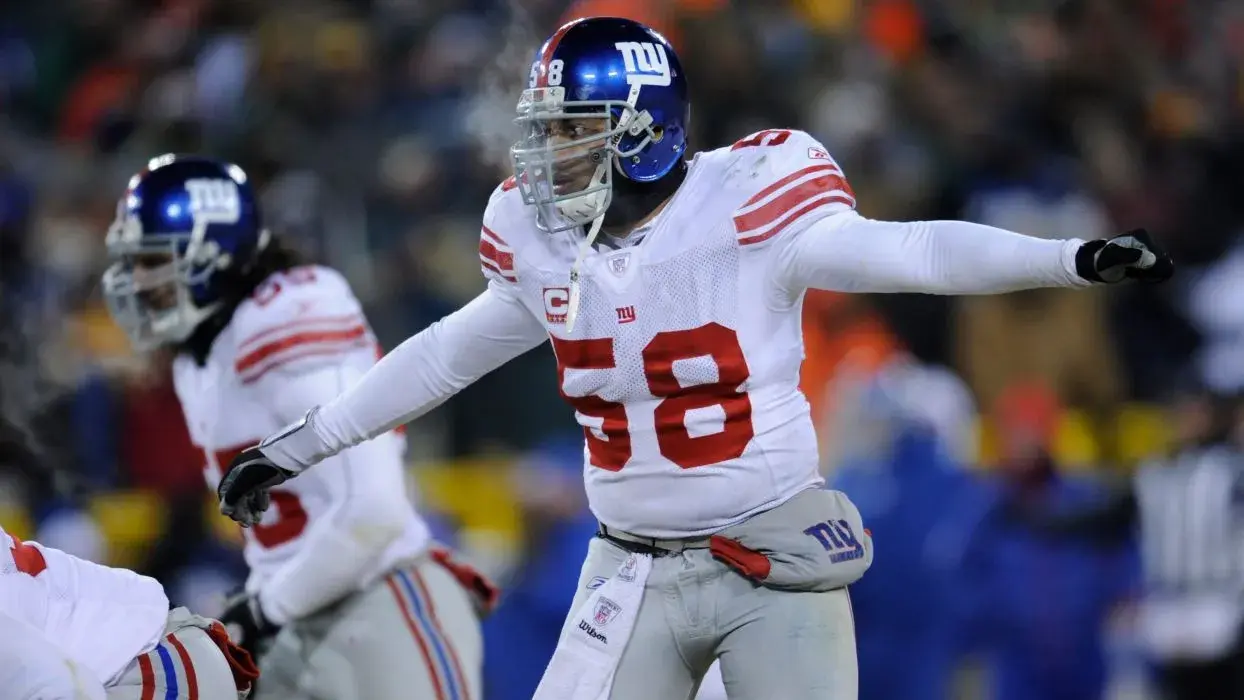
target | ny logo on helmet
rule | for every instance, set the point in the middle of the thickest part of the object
(646, 63)
(214, 201)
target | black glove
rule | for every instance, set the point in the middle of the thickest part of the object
(247, 627)
(1133, 255)
(243, 491)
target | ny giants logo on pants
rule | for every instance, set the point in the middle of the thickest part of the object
(837, 539)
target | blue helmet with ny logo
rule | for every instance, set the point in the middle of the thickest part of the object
(605, 95)
(183, 224)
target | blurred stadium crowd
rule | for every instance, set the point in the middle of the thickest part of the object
(987, 441)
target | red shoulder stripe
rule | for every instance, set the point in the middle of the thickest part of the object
(292, 356)
(495, 255)
(825, 199)
(269, 350)
(305, 324)
(489, 233)
(763, 194)
(488, 265)
(776, 209)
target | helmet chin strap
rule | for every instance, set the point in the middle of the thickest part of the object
(572, 304)
(584, 246)
(572, 310)
(642, 120)
(629, 203)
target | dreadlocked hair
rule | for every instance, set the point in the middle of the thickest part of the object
(237, 286)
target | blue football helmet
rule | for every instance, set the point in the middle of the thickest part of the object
(182, 222)
(604, 94)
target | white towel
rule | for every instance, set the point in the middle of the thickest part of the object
(587, 654)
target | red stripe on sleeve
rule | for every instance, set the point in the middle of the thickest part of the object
(816, 203)
(333, 323)
(285, 359)
(830, 183)
(500, 259)
(493, 235)
(295, 340)
(763, 194)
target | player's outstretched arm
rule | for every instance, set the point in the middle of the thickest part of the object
(850, 253)
(367, 510)
(414, 378)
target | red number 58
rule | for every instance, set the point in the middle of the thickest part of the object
(674, 440)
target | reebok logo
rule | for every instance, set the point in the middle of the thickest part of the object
(591, 632)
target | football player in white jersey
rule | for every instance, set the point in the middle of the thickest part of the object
(670, 288)
(72, 629)
(347, 597)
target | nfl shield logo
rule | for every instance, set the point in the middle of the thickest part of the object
(618, 264)
(606, 610)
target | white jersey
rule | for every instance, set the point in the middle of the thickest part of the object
(302, 338)
(100, 617)
(683, 364)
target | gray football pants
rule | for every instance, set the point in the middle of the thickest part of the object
(412, 635)
(773, 645)
(185, 664)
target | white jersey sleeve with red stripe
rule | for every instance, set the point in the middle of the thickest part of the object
(298, 342)
(796, 183)
(442, 359)
(496, 256)
(297, 320)
(100, 616)
(803, 215)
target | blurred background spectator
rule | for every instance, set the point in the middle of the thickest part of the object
(375, 130)
(906, 470)
(1035, 605)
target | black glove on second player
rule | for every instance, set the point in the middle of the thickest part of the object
(246, 624)
(243, 490)
(1133, 255)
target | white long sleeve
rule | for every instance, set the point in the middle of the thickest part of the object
(414, 378)
(849, 253)
(368, 512)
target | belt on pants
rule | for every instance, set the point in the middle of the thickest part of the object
(650, 545)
